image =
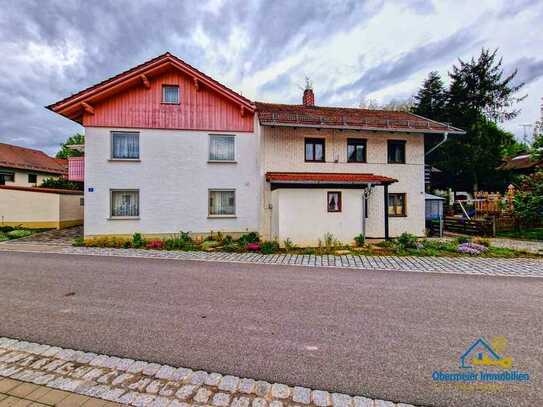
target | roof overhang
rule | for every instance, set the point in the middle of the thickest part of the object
(74, 106)
(325, 180)
(384, 128)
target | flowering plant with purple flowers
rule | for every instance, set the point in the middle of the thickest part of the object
(471, 248)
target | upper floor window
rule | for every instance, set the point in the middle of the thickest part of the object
(314, 149)
(170, 94)
(396, 204)
(396, 151)
(6, 176)
(222, 147)
(125, 145)
(356, 150)
(32, 178)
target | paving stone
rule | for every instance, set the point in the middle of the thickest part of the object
(247, 386)
(280, 391)
(37, 348)
(165, 372)
(54, 365)
(262, 388)
(10, 371)
(38, 364)
(44, 379)
(86, 357)
(74, 356)
(52, 351)
(181, 374)
(186, 391)
(202, 395)
(320, 398)
(108, 377)
(93, 374)
(136, 367)
(213, 379)
(341, 400)
(241, 402)
(169, 389)
(276, 403)
(160, 402)
(63, 383)
(100, 361)
(301, 395)
(96, 391)
(124, 364)
(65, 354)
(113, 394)
(127, 398)
(140, 384)
(80, 372)
(221, 399)
(27, 361)
(150, 369)
(154, 387)
(177, 403)
(229, 383)
(260, 402)
(362, 402)
(66, 368)
(198, 377)
(142, 400)
(123, 379)
(382, 403)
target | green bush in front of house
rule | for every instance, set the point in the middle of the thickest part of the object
(18, 233)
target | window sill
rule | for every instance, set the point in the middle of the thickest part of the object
(389, 162)
(221, 216)
(397, 216)
(222, 161)
(170, 103)
(135, 160)
(357, 162)
(123, 218)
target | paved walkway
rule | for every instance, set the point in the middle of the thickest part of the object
(519, 267)
(90, 376)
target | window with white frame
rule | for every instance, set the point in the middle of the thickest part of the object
(125, 203)
(170, 94)
(222, 147)
(125, 145)
(222, 202)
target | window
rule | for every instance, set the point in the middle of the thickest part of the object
(81, 201)
(396, 205)
(125, 145)
(125, 203)
(222, 147)
(222, 202)
(6, 176)
(396, 151)
(32, 178)
(314, 149)
(170, 94)
(334, 201)
(356, 150)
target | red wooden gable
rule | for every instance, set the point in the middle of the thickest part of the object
(133, 99)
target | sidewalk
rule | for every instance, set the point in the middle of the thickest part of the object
(69, 378)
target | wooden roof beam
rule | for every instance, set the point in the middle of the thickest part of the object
(145, 81)
(196, 84)
(87, 108)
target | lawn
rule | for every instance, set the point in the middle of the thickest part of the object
(526, 234)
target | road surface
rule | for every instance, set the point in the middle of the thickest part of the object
(378, 334)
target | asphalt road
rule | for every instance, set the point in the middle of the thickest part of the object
(379, 334)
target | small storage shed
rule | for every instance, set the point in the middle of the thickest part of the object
(434, 207)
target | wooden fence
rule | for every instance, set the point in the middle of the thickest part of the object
(479, 227)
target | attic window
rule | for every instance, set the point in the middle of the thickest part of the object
(170, 94)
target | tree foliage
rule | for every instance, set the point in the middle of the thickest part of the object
(480, 95)
(61, 183)
(528, 201)
(66, 152)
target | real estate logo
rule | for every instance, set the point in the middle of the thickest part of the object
(484, 362)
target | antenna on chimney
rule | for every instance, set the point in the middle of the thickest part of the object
(308, 83)
(309, 96)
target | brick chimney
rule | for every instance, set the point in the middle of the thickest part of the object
(309, 96)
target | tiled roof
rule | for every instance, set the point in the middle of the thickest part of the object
(343, 117)
(520, 162)
(327, 177)
(27, 159)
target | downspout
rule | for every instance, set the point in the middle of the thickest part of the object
(445, 136)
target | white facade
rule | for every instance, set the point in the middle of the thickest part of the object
(301, 214)
(173, 177)
(21, 177)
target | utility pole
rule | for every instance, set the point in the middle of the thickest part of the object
(526, 133)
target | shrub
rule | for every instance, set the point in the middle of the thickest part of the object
(6, 229)
(78, 242)
(482, 241)
(269, 247)
(252, 247)
(251, 237)
(209, 244)
(231, 247)
(462, 239)
(359, 240)
(155, 244)
(61, 183)
(289, 244)
(407, 241)
(18, 233)
(227, 239)
(3, 237)
(180, 241)
(106, 241)
(137, 241)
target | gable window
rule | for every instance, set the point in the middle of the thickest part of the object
(314, 149)
(222, 147)
(222, 202)
(334, 201)
(170, 94)
(6, 176)
(396, 151)
(125, 203)
(356, 150)
(396, 204)
(32, 178)
(125, 145)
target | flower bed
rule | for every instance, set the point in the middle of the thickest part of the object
(15, 232)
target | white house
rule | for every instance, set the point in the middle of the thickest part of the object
(167, 148)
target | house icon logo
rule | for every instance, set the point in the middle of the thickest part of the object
(482, 354)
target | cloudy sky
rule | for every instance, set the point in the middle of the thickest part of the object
(351, 49)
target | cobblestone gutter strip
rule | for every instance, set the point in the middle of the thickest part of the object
(139, 383)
